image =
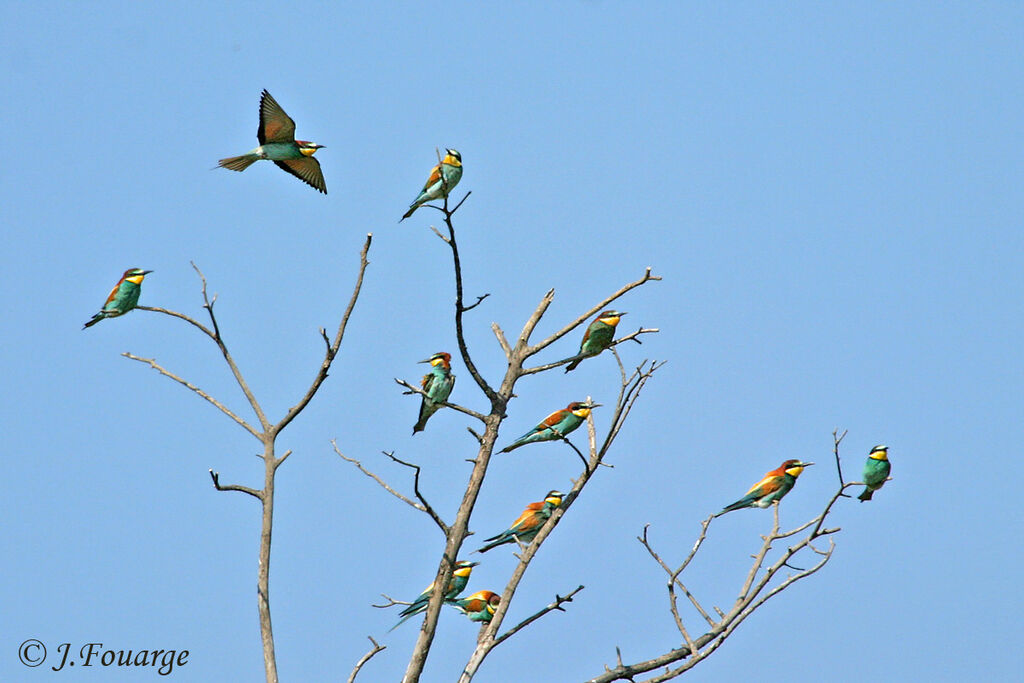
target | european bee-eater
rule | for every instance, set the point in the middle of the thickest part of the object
(123, 297)
(479, 606)
(773, 487)
(277, 143)
(599, 336)
(876, 471)
(438, 384)
(460, 577)
(443, 179)
(556, 425)
(527, 525)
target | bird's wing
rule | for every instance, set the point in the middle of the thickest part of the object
(113, 293)
(551, 420)
(306, 169)
(526, 520)
(435, 176)
(428, 380)
(275, 125)
(771, 482)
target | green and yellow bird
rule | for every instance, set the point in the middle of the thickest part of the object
(527, 524)
(438, 384)
(123, 297)
(479, 606)
(599, 336)
(876, 471)
(442, 180)
(276, 134)
(771, 488)
(460, 577)
(556, 425)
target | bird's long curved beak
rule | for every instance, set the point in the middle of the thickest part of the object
(805, 464)
(146, 272)
(425, 360)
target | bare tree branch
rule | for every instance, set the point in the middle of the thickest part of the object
(234, 487)
(151, 362)
(629, 337)
(413, 389)
(365, 658)
(332, 350)
(556, 605)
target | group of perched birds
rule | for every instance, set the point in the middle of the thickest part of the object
(276, 135)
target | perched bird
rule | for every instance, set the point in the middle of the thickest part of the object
(277, 143)
(876, 471)
(556, 425)
(123, 297)
(460, 577)
(597, 338)
(773, 487)
(438, 384)
(479, 606)
(443, 179)
(527, 525)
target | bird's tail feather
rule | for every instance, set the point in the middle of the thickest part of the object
(239, 163)
(866, 495)
(95, 319)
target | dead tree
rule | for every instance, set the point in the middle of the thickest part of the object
(265, 431)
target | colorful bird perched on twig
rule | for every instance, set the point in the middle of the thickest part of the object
(876, 471)
(599, 336)
(460, 577)
(556, 425)
(479, 606)
(276, 135)
(442, 180)
(527, 525)
(771, 488)
(438, 384)
(123, 297)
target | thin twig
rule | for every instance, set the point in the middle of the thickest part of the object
(556, 605)
(332, 350)
(151, 362)
(416, 489)
(365, 658)
(413, 389)
(234, 487)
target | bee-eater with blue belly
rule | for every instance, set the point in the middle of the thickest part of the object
(460, 577)
(277, 143)
(438, 384)
(876, 471)
(771, 488)
(527, 525)
(442, 180)
(123, 297)
(479, 606)
(599, 336)
(556, 425)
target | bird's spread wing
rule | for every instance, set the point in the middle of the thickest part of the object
(275, 125)
(306, 169)
(770, 483)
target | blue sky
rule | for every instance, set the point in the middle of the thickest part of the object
(831, 194)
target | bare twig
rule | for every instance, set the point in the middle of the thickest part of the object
(332, 350)
(416, 489)
(234, 487)
(413, 389)
(365, 658)
(151, 362)
(556, 605)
